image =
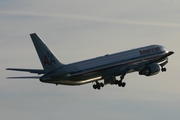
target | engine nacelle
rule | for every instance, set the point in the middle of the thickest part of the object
(150, 70)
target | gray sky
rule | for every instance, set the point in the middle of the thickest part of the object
(82, 29)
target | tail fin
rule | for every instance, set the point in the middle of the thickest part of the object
(47, 58)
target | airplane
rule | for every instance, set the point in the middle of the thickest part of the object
(148, 61)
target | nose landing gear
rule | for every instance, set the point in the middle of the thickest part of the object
(163, 69)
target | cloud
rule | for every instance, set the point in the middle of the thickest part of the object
(91, 18)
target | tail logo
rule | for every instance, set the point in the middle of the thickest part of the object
(49, 59)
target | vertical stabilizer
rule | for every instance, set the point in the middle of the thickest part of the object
(48, 60)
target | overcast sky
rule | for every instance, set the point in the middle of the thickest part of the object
(82, 29)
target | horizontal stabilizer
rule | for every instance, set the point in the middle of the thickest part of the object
(26, 77)
(38, 71)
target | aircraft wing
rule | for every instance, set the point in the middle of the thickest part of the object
(38, 71)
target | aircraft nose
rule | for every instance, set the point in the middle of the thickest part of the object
(170, 52)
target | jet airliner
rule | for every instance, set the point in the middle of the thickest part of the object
(148, 61)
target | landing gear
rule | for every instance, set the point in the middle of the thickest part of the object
(98, 85)
(119, 82)
(163, 69)
(111, 80)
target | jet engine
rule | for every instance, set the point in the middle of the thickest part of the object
(150, 70)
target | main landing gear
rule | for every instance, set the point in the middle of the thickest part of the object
(98, 85)
(120, 83)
